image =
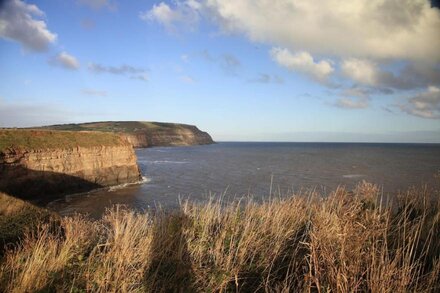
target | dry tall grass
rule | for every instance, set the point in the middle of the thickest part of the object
(344, 242)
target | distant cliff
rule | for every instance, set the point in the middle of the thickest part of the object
(146, 134)
(41, 163)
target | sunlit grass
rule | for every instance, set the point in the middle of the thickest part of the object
(25, 139)
(343, 242)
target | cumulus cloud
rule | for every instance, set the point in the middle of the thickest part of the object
(127, 70)
(358, 28)
(94, 92)
(183, 15)
(25, 24)
(65, 60)
(302, 62)
(425, 104)
(362, 71)
(369, 73)
(368, 36)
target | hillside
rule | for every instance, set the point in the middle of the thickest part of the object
(146, 134)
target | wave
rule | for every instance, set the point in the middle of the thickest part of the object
(353, 176)
(168, 162)
(143, 180)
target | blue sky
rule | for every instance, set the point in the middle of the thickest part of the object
(282, 70)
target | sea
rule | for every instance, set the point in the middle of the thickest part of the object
(231, 170)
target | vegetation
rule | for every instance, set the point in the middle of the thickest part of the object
(48, 139)
(18, 217)
(344, 242)
(121, 126)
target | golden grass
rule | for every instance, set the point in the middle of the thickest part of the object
(344, 242)
(28, 139)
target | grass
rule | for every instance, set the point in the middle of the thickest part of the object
(25, 139)
(121, 126)
(342, 242)
(18, 217)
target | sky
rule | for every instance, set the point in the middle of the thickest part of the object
(248, 70)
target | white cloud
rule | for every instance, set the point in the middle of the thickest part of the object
(411, 76)
(123, 69)
(66, 61)
(19, 22)
(425, 104)
(302, 62)
(362, 71)
(132, 72)
(184, 15)
(351, 103)
(368, 36)
(406, 29)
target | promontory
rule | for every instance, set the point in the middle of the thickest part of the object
(146, 134)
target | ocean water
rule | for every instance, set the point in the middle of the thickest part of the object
(235, 169)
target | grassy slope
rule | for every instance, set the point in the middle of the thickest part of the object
(345, 242)
(121, 126)
(18, 217)
(48, 139)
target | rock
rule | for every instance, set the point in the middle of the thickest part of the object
(41, 173)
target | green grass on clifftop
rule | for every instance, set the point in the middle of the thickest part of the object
(121, 126)
(25, 139)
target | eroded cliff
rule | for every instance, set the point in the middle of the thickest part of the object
(147, 134)
(37, 164)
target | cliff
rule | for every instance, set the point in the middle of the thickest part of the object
(146, 134)
(41, 163)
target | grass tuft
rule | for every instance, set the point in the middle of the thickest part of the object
(346, 241)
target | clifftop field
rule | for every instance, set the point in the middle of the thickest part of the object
(120, 126)
(342, 242)
(29, 139)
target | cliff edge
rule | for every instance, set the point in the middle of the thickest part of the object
(38, 164)
(143, 134)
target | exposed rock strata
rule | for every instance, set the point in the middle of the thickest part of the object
(31, 173)
(190, 135)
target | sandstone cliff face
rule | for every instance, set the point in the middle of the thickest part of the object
(103, 165)
(35, 173)
(190, 135)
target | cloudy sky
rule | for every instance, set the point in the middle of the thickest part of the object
(279, 70)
